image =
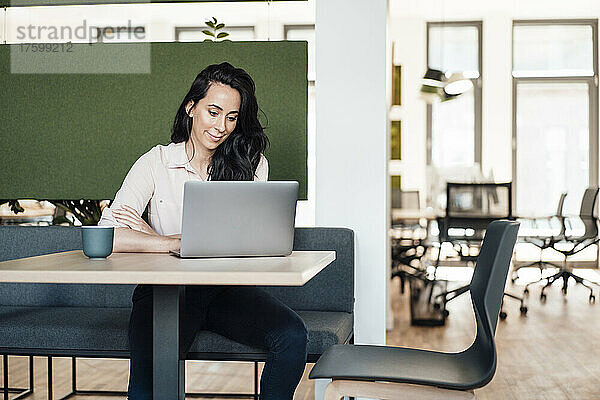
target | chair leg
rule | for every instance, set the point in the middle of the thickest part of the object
(5, 362)
(50, 383)
(582, 281)
(541, 265)
(337, 389)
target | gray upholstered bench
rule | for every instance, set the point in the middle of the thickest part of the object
(75, 320)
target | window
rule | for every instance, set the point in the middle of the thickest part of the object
(555, 113)
(454, 127)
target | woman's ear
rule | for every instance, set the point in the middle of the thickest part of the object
(189, 107)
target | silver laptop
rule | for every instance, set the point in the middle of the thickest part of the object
(237, 219)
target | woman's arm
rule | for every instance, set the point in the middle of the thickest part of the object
(138, 236)
(132, 233)
(129, 240)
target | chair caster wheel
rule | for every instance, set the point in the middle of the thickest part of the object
(543, 297)
(446, 313)
(525, 292)
(592, 298)
(523, 310)
(436, 306)
(503, 315)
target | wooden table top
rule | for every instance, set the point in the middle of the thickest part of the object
(166, 269)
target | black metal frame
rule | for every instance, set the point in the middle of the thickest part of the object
(22, 392)
(73, 354)
(84, 392)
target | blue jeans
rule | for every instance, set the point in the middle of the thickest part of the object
(245, 314)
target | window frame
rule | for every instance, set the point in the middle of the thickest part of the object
(591, 80)
(307, 27)
(477, 91)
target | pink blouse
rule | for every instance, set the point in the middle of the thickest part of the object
(158, 177)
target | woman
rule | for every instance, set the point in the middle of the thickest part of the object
(216, 136)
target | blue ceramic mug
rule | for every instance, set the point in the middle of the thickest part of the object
(97, 241)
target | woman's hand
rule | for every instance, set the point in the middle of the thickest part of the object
(129, 217)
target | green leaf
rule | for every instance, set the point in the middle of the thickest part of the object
(220, 26)
(214, 20)
(210, 24)
(222, 35)
(209, 33)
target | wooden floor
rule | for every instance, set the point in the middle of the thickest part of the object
(552, 353)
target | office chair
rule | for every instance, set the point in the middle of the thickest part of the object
(406, 260)
(544, 242)
(396, 372)
(409, 248)
(470, 208)
(576, 244)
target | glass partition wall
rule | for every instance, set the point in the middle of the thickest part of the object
(555, 113)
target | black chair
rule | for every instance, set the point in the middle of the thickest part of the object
(574, 245)
(397, 372)
(470, 208)
(412, 243)
(544, 242)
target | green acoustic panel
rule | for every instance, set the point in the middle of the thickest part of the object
(75, 136)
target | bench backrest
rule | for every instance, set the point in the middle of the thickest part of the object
(330, 290)
(333, 288)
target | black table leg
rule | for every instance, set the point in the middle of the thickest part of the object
(169, 371)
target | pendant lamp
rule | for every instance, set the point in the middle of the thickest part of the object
(432, 86)
(457, 84)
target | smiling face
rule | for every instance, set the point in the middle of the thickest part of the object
(214, 117)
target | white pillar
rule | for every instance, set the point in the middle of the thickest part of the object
(352, 145)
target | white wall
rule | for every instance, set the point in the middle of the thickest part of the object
(352, 145)
(408, 29)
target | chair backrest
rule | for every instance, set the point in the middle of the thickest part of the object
(487, 289)
(479, 200)
(474, 206)
(587, 212)
(28, 241)
(491, 271)
(331, 290)
(588, 202)
(561, 204)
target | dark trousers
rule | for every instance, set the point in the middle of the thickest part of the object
(247, 315)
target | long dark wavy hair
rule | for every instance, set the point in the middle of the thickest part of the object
(238, 156)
